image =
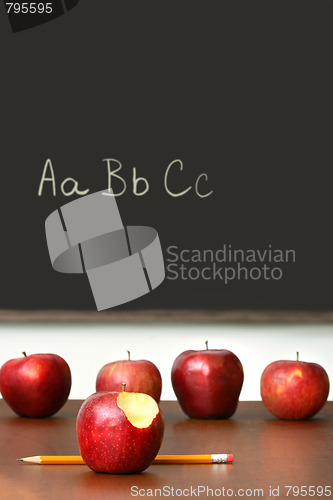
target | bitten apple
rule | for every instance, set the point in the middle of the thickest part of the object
(207, 383)
(119, 432)
(294, 390)
(140, 376)
(37, 385)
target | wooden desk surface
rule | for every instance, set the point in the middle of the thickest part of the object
(267, 453)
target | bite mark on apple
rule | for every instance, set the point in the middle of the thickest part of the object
(129, 404)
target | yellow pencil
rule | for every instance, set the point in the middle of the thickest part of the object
(160, 459)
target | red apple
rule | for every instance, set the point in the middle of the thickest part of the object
(140, 376)
(119, 432)
(37, 385)
(207, 383)
(294, 390)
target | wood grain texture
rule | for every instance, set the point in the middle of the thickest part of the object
(267, 452)
(166, 316)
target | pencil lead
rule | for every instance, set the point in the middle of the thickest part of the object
(19, 459)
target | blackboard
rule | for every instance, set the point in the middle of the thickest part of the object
(236, 97)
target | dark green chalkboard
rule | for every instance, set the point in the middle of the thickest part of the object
(237, 94)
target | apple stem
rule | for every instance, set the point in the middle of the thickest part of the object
(129, 355)
(123, 386)
(24, 353)
(206, 344)
(297, 353)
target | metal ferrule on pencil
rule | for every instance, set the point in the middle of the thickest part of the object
(218, 458)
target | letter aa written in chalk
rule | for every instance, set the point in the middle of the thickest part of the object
(49, 176)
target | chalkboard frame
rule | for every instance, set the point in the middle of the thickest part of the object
(165, 316)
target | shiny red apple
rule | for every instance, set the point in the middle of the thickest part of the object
(119, 432)
(294, 390)
(139, 375)
(207, 383)
(37, 385)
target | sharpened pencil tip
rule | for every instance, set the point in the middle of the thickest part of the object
(19, 459)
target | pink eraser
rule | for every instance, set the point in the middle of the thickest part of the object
(230, 457)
